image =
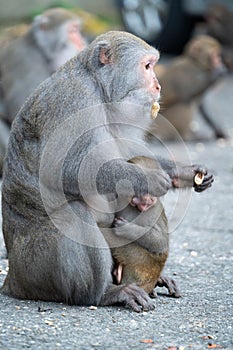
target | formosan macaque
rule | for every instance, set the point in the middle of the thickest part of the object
(12, 33)
(142, 259)
(68, 143)
(25, 61)
(183, 81)
(53, 38)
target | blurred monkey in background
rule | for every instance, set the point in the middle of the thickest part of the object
(183, 81)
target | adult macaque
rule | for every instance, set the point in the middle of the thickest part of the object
(141, 259)
(183, 81)
(25, 61)
(67, 144)
(53, 38)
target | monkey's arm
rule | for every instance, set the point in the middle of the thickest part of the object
(126, 176)
(145, 236)
(183, 176)
(219, 133)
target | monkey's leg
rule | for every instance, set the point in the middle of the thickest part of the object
(123, 228)
(219, 132)
(71, 265)
(170, 284)
(97, 271)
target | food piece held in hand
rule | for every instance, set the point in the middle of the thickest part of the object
(198, 179)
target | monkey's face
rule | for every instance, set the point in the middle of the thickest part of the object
(75, 36)
(150, 80)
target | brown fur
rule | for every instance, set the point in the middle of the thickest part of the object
(183, 82)
(143, 259)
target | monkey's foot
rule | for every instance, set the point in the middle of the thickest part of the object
(170, 284)
(129, 295)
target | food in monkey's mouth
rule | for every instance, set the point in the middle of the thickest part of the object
(155, 110)
(198, 178)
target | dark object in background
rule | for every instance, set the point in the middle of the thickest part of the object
(166, 24)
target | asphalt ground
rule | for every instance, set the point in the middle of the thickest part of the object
(200, 260)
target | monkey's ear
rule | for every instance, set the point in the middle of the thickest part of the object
(42, 21)
(105, 56)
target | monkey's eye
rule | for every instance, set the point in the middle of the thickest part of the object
(148, 66)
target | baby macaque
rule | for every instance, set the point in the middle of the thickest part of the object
(142, 259)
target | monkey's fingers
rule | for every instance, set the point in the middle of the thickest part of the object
(119, 222)
(170, 284)
(199, 169)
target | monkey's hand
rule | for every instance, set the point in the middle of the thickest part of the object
(185, 177)
(157, 184)
(119, 222)
(128, 179)
(170, 284)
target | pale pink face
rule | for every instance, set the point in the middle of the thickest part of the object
(151, 80)
(75, 36)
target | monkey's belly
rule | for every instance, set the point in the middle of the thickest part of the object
(140, 266)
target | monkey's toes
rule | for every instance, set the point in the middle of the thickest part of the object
(171, 286)
(137, 299)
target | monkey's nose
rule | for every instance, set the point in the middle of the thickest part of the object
(157, 85)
